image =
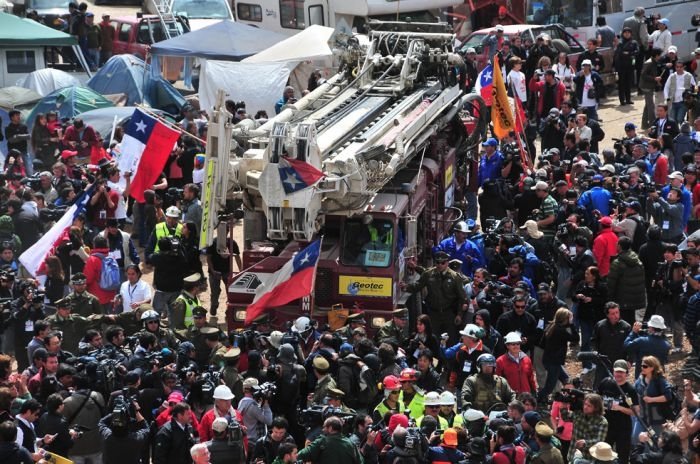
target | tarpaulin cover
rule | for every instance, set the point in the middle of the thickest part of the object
(307, 45)
(128, 74)
(69, 103)
(259, 85)
(12, 97)
(226, 40)
(15, 31)
(47, 80)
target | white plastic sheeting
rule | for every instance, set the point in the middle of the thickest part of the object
(259, 85)
(44, 81)
(311, 44)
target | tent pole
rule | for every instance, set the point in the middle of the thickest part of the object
(81, 59)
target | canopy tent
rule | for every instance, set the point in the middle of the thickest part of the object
(15, 31)
(226, 40)
(308, 45)
(69, 102)
(47, 80)
(129, 75)
(14, 97)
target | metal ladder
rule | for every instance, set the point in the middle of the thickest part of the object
(167, 18)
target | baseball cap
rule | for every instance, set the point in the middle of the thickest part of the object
(676, 175)
(586, 63)
(605, 221)
(65, 154)
(630, 126)
(490, 142)
(541, 185)
(499, 28)
(219, 425)
(620, 365)
(175, 397)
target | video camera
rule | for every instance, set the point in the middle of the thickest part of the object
(34, 182)
(173, 195)
(52, 213)
(571, 396)
(123, 411)
(315, 415)
(264, 391)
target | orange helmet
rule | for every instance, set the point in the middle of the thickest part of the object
(408, 375)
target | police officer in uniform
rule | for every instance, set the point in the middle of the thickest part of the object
(164, 337)
(195, 335)
(181, 313)
(170, 228)
(82, 302)
(72, 326)
(547, 453)
(334, 399)
(232, 379)
(446, 299)
(324, 380)
(354, 320)
(216, 348)
(394, 329)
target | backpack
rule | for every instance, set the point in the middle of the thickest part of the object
(672, 408)
(287, 386)
(110, 275)
(598, 134)
(640, 236)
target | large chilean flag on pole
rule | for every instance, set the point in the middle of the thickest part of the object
(146, 145)
(295, 280)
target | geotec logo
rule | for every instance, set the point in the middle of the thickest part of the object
(365, 286)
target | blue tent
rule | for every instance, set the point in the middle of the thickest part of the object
(129, 75)
(69, 102)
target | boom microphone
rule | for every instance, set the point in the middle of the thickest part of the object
(588, 356)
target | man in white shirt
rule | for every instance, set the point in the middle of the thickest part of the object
(134, 292)
(123, 189)
(661, 38)
(29, 412)
(676, 84)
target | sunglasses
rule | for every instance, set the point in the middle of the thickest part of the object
(519, 306)
(442, 262)
(645, 366)
(434, 407)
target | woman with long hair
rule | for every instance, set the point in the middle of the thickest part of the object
(590, 295)
(43, 144)
(55, 284)
(423, 338)
(564, 71)
(555, 341)
(655, 393)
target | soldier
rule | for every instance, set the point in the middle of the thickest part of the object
(216, 348)
(194, 334)
(394, 329)
(72, 326)
(180, 316)
(164, 337)
(353, 321)
(334, 399)
(82, 302)
(232, 379)
(547, 454)
(324, 381)
(446, 298)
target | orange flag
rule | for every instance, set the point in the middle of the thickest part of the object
(501, 114)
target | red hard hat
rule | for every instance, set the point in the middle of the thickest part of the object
(408, 375)
(391, 382)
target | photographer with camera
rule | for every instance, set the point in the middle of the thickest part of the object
(172, 227)
(651, 342)
(103, 204)
(619, 398)
(331, 446)
(190, 205)
(552, 131)
(221, 449)
(168, 274)
(255, 408)
(590, 426)
(83, 410)
(25, 311)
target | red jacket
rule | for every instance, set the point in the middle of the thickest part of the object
(559, 94)
(88, 135)
(165, 416)
(205, 431)
(520, 376)
(93, 271)
(661, 170)
(512, 455)
(604, 248)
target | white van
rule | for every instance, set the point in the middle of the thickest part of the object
(290, 16)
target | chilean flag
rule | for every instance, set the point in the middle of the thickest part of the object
(295, 280)
(147, 136)
(484, 84)
(297, 175)
(34, 258)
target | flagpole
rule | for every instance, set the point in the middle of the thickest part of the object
(174, 127)
(312, 295)
(524, 153)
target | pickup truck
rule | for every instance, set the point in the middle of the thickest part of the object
(562, 41)
(135, 34)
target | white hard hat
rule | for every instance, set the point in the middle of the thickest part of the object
(173, 212)
(472, 415)
(447, 399)
(150, 315)
(657, 322)
(513, 337)
(276, 338)
(432, 399)
(472, 330)
(222, 392)
(302, 324)
(461, 226)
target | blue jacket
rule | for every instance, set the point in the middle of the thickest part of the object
(686, 199)
(691, 315)
(646, 345)
(596, 198)
(444, 454)
(490, 168)
(468, 253)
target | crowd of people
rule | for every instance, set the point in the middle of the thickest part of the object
(594, 251)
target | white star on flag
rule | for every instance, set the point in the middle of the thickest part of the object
(291, 180)
(305, 259)
(487, 75)
(140, 127)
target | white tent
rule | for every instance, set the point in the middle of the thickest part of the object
(259, 80)
(44, 81)
(311, 44)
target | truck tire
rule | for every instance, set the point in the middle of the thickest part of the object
(561, 46)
